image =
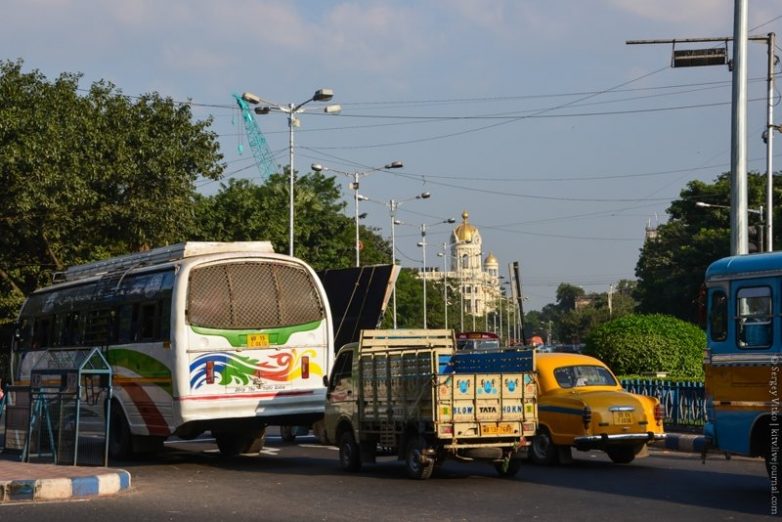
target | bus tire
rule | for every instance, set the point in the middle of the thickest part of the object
(120, 438)
(508, 469)
(231, 443)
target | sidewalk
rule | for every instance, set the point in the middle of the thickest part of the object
(21, 481)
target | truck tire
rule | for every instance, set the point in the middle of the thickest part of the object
(418, 466)
(508, 469)
(287, 433)
(349, 452)
(543, 450)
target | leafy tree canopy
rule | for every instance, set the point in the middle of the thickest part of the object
(637, 344)
(90, 175)
(671, 266)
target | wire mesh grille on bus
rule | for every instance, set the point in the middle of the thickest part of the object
(252, 295)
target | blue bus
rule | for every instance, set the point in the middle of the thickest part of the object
(742, 360)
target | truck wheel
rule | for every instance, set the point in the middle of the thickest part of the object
(419, 467)
(349, 452)
(508, 469)
(622, 454)
(543, 450)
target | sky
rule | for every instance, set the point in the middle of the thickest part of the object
(562, 142)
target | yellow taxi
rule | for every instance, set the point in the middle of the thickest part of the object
(582, 405)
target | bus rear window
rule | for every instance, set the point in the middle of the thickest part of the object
(252, 295)
(754, 317)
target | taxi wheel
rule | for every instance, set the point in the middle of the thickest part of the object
(622, 454)
(543, 450)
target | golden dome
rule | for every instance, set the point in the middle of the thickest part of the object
(465, 231)
(491, 260)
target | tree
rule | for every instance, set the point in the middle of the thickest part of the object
(671, 266)
(637, 344)
(88, 176)
(324, 235)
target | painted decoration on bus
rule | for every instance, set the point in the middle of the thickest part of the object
(232, 369)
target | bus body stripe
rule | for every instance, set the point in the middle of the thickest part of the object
(245, 395)
(156, 423)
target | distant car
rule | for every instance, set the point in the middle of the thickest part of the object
(582, 405)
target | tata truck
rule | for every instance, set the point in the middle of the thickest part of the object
(412, 394)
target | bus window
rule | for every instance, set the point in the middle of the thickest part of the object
(718, 316)
(753, 318)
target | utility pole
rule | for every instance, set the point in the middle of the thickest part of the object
(715, 56)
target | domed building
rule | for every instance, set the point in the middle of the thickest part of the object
(477, 277)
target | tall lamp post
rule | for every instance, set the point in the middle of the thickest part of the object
(292, 109)
(758, 211)
(317, 167)
(444, 255)
(422, 244)
(393, 205)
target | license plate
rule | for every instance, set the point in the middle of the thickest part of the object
(497, 429)
(257, 340)
(623, 417)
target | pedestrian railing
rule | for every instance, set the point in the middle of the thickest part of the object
(684, 402)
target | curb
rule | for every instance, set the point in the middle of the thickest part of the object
(64, 488)
(685, 442)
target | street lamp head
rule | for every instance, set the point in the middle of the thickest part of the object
(702, 204)
(251, 98)
(394, 165)
(317, 167)
(332, 109)
(362, 215)
(361, 197)
(323, 95)
(262, 110)
(420, 243)
(440, 254)
(450, 220)
(397, 222)
(423, 195)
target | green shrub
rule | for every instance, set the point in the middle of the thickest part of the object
(638, 344)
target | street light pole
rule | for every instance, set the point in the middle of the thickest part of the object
(292, 110)
(422, 244)
(760, 212)
(354, 185)
(393, 205)
(444, 255)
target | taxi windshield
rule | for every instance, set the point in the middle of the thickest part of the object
(583, 375)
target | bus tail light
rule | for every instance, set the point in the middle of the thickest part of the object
(210, 372)
(305, 367)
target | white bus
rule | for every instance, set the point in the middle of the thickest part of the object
(224, 337)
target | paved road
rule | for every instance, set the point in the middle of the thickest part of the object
(302, 481)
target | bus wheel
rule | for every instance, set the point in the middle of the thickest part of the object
(232, 443)
(120, 439)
